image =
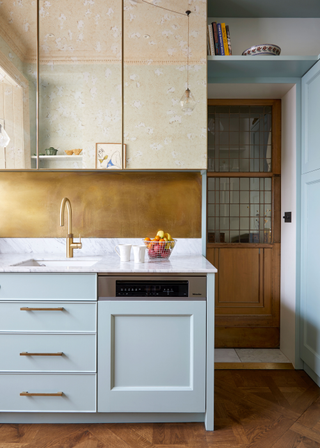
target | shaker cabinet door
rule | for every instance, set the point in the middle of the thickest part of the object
(151, 356)
(310, 279)
(310, 120)
(310, 216)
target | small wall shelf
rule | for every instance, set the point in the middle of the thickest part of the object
(57, 157)
(222, 67)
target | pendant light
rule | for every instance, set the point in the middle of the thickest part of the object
(187, 101)
(4, 137)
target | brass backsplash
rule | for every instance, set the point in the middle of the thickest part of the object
(104, 205)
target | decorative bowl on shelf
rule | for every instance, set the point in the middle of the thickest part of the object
(159, 250)
(50, 151)
(263, 50)
(70, 152)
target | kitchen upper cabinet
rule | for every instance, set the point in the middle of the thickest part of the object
(80, 94)
(102, 75)
(18, 46)
(157, 133)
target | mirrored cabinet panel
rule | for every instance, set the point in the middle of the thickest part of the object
(18, 45)
(80, 102)
(158, 132)
(103, 84)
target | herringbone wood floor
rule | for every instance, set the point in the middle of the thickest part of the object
(256, 409)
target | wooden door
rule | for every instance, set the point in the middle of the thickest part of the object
(244, 221)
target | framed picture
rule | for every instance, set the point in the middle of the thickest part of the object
(110, 156)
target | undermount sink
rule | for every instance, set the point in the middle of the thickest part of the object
(69, 262)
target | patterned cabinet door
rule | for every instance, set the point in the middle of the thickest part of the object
(310, 120)
(80, 104)
(158, 134)
(310, 279)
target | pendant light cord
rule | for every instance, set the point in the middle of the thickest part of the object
(176, 12)
(161, 7)
(188, 13)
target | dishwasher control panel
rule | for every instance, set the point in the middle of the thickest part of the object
(154, 287)
(145, 288)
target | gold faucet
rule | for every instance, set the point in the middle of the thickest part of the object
(70, 245)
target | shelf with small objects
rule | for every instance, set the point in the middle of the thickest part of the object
(282, 47)
(249, 67)
(58, 161)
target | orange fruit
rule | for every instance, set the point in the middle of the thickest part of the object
(147, 239)
(157, 238)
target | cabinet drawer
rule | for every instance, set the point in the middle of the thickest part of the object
(78, 393)
(48, 286)
(55, 352)
(52, 316)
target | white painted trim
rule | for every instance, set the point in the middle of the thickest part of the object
(288, 230)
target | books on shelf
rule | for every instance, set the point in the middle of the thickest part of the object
(229, 39)
(216, 41)
(219, 40)
(211, 42)
(224, 38)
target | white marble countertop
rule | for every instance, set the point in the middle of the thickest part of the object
(106, 264)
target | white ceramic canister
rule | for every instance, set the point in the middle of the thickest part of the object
(123, 251)
(139, 253)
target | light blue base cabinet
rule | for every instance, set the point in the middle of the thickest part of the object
(48, 339)
(151, 356)
(48, 392)
(156, 358)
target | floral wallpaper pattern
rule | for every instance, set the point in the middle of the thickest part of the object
(81, 94)
(157, 132)
(77, 110)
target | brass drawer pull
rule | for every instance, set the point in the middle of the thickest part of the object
(30, 394)
(41, 354)
(25, 308)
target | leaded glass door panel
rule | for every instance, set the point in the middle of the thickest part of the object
(243, 220)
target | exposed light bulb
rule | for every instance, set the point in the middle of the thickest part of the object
(4, 137)
(187, 101)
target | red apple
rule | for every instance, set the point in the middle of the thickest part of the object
(152, 253)
(165, 253)
(157, 248)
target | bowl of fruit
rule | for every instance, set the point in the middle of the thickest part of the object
(160, 247)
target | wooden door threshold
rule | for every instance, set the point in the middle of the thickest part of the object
(253, 366)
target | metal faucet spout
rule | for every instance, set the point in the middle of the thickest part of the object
(66, 203)
(70, 244)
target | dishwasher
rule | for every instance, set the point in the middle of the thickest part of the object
(151, 343)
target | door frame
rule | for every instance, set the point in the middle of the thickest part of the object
(292, 82)
(252, 329)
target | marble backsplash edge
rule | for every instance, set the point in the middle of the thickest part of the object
(90, 246)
